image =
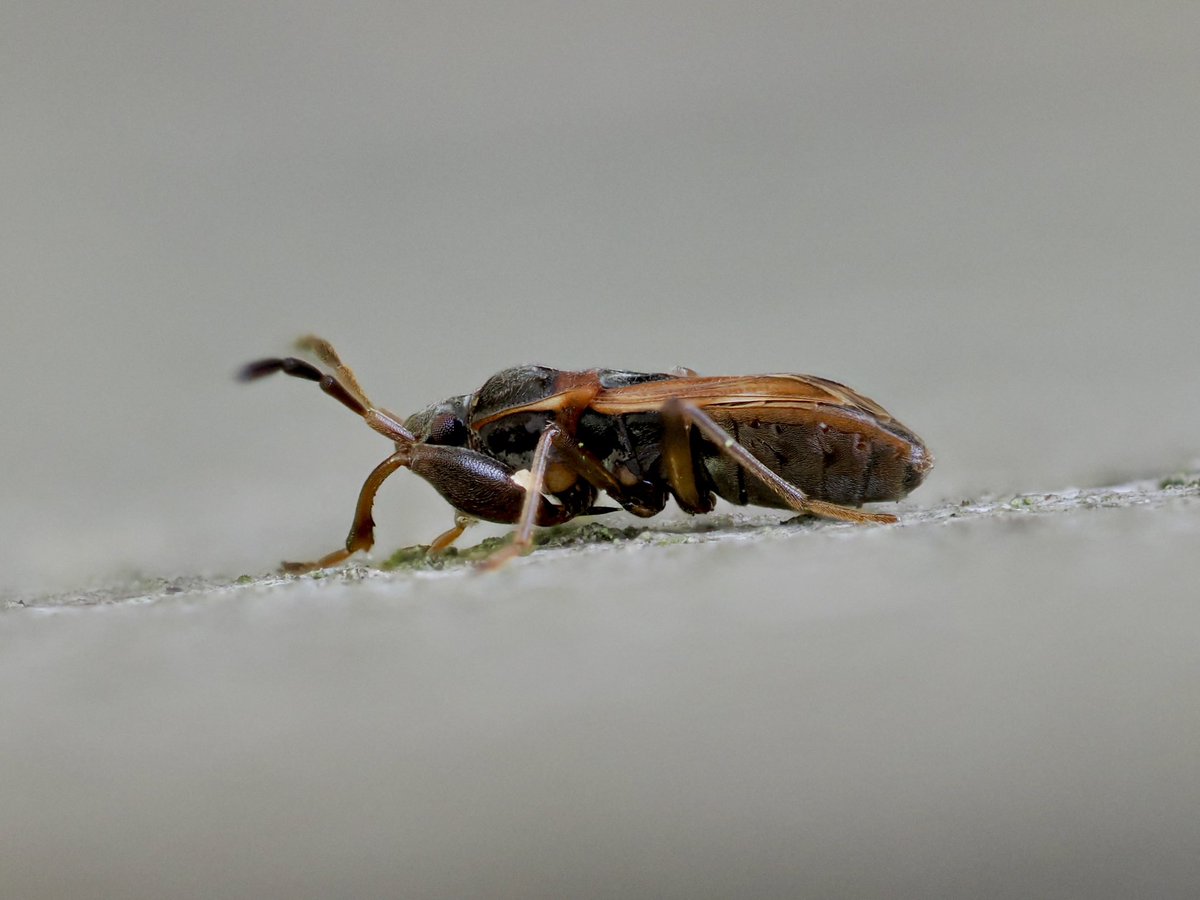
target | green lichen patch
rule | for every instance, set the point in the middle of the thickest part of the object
(666, 538)
(1168, 490)
(1185, 480)
(418, 557)
(587, 533)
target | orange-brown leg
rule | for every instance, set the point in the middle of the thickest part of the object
(461, 523)
(362, 531)
(679, 464)
(678, 415)
(555, 452)
(522, 539)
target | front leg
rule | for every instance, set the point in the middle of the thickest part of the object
(480, 487)
(362, 530)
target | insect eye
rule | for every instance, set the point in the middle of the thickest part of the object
(447, 429)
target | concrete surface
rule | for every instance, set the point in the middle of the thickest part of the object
(983, 216)
(997, 704)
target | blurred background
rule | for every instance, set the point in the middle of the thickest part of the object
(984, 216)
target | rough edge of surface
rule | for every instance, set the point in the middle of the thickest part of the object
(590, 536)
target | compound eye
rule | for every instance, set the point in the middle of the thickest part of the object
(447, 430)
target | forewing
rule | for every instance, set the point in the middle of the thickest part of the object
(736, 392)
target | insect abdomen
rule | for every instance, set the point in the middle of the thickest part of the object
(842, 458)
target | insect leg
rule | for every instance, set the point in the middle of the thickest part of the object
(362, 531)
(461, 523)
(676, 412)
(679, 464)
(523, 535)
(556, 443)
(649, 501)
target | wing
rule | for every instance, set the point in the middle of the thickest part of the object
(737, 392)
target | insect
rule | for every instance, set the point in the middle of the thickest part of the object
(536, 446)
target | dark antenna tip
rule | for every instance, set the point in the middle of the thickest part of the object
(260, 369)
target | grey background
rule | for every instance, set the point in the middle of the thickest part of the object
(985, 216)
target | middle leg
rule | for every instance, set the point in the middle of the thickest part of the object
(558, 457)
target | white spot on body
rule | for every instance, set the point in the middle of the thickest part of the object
(522, 479)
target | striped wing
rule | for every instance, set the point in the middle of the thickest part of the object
(737, 392)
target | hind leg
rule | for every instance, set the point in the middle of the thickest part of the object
(679, 416)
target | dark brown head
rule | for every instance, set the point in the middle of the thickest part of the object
(442, 423)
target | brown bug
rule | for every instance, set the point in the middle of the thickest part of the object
(536, 446)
